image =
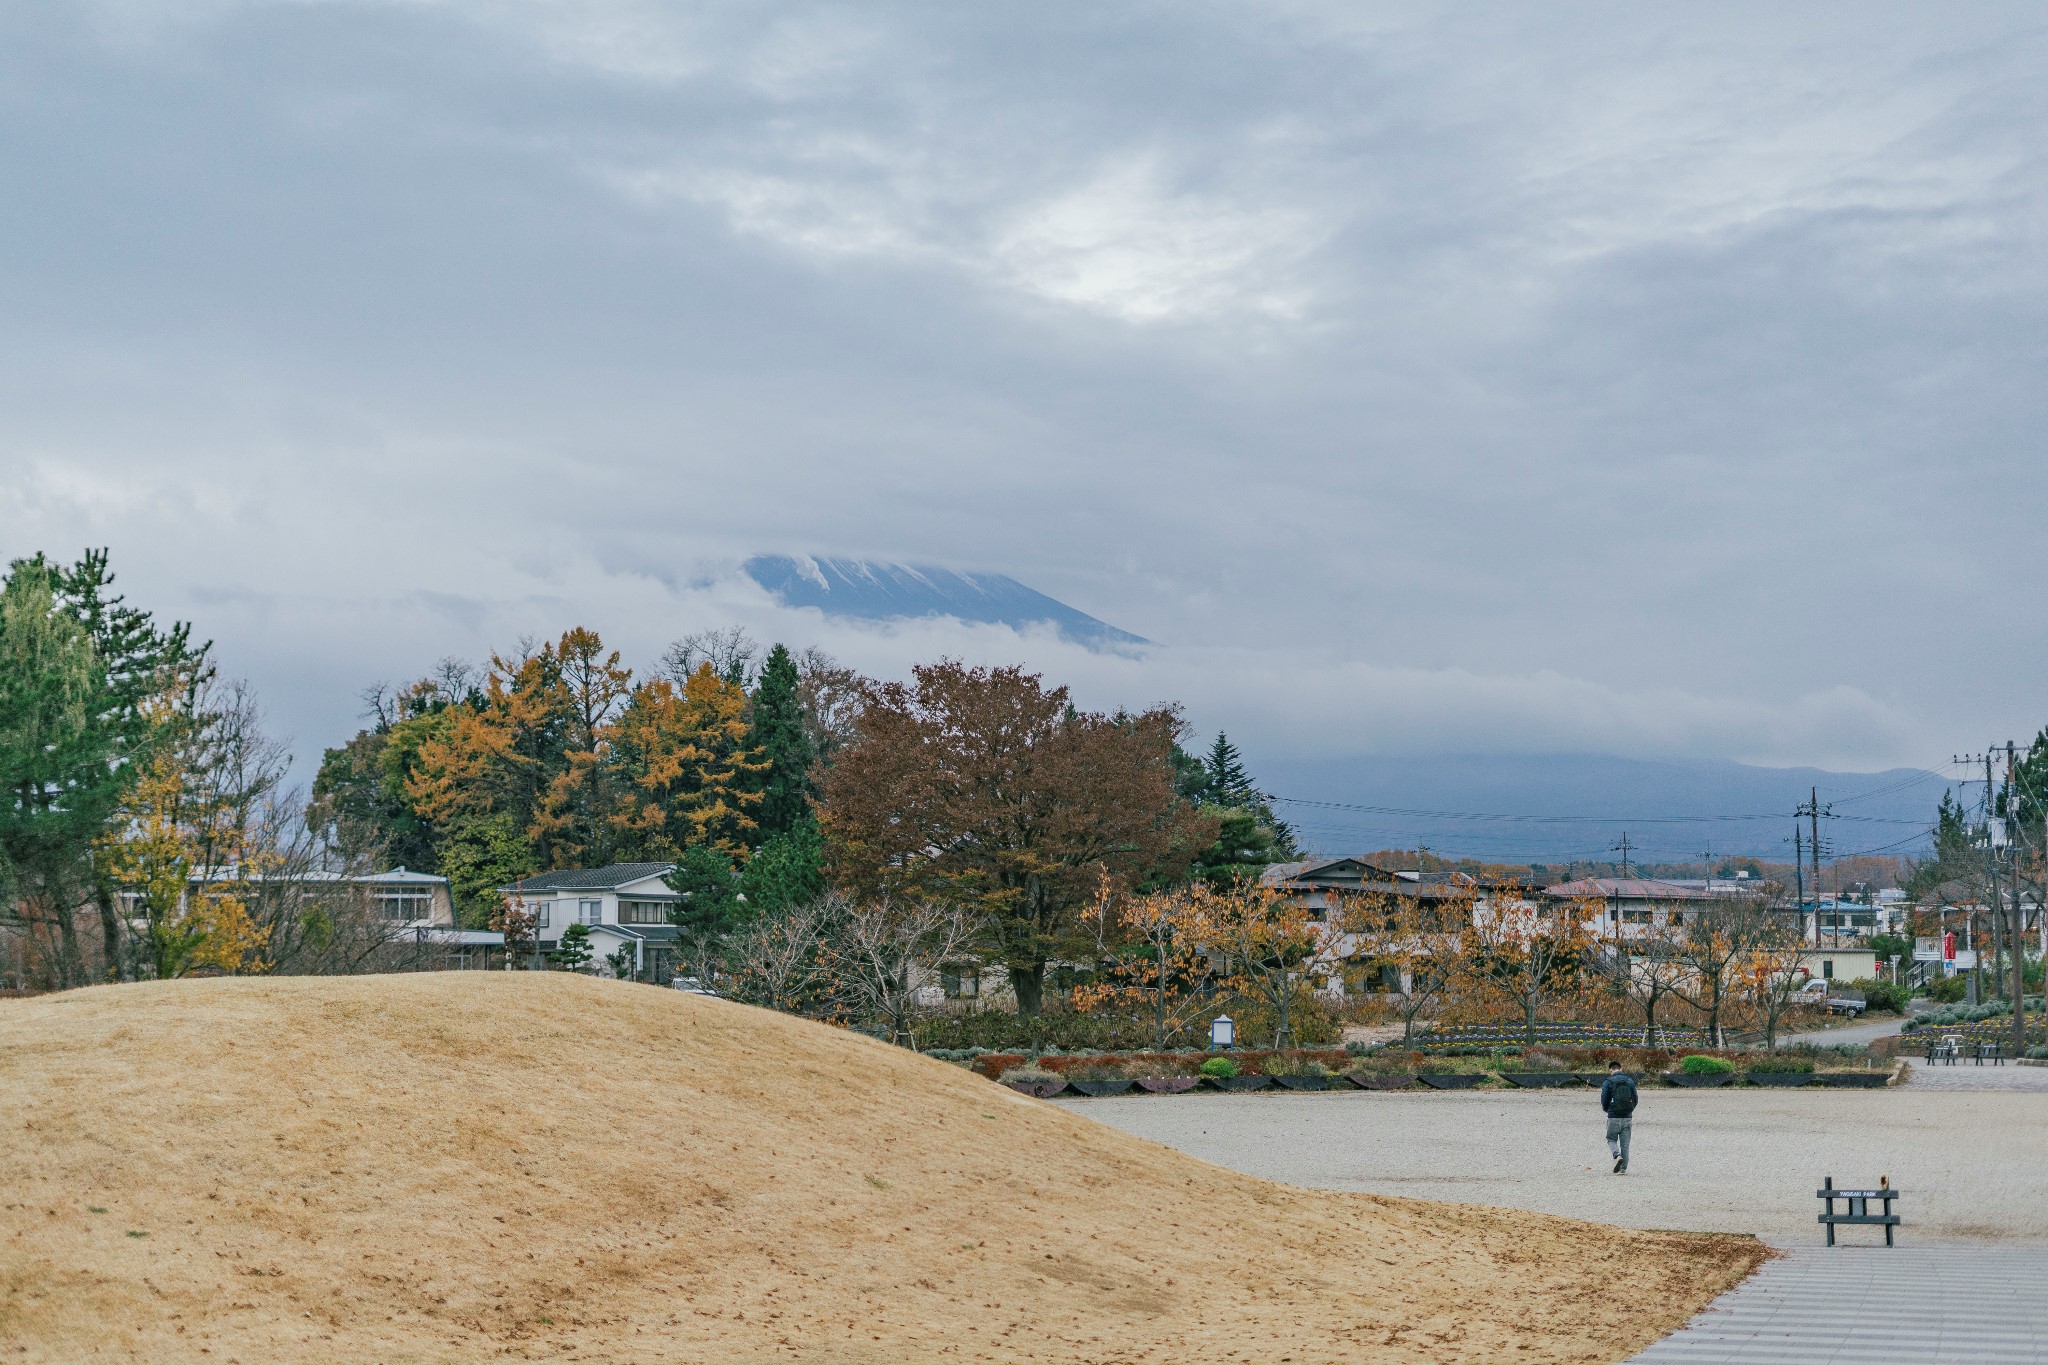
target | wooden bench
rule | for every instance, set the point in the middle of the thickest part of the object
(1993, 1053)
(1859, 1207)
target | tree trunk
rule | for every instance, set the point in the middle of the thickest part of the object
(1159, 1003)
(110, 937)
(1029, 984)
(1650, 1023)
(70, 964)
(1530, 1004)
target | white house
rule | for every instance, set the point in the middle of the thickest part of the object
(626, 905)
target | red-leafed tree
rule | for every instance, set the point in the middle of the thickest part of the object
(984, 789)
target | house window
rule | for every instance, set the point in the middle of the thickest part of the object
(1827, 969)
(961, 983)
(589, 912)
(406, 907)
(642, 912)
(1635, 917)
(539, 911)
(1677, 917)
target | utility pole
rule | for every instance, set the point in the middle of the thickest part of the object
(2017, 934)
(1990, 866)
(1992, 842)
(1623, 849)
(1813, 810)
(1799, 883)
(1707, 867)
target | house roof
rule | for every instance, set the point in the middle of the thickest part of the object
(646, 933)
(1638, 889)
(1323, 872)
(591, 878)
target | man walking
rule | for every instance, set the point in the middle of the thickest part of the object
(1618, 1102)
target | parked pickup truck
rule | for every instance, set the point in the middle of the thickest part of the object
(1818, 992)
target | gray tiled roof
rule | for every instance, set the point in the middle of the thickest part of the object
(591, 878)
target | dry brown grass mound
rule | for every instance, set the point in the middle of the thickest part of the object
(469, 1165)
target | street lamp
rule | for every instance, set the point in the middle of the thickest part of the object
(1222, 1032)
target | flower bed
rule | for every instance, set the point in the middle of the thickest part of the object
(1552, 1036)
(1250, 1062)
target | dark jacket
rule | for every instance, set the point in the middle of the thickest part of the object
(1618, 1096)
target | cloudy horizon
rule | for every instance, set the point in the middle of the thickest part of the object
(1651, 383)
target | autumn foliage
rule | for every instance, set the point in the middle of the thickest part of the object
(985, 789)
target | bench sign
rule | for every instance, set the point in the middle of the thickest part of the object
(1859, 1207)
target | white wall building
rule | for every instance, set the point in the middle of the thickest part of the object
(625, 906)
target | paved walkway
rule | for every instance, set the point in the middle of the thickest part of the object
(1883, 1026)
(1945, 1305)
(1969, 1076)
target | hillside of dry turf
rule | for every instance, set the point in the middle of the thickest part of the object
(469, 1165)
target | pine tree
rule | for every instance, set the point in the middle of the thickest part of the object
(1229, 783)
(777, 733)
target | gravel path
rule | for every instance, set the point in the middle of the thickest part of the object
(1969, 1160)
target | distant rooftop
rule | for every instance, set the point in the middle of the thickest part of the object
(591, 878)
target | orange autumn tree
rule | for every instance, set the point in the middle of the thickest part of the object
(576, 817)
(1413, 944)
(1525, 951)
(1266, 946)
(481, 777)
(1152, 951)
(691, 777)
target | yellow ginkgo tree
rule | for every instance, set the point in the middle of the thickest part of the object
(172, 846)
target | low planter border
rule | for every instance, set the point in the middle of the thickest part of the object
(1098, 1089)
(1302, 1082)
(1541, 1080)
(1698, 1080)
(1452, 1080)
(1380, 1082)
(1043, 1090)
(1781, 1079)
(1854, 1080)
(1235, 1084)
(1168, 1085)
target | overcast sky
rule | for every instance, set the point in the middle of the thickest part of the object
(1652, 380)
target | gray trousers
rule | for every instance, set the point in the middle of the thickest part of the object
(1617, 1137)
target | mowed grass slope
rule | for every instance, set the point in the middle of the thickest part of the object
(464, 1166)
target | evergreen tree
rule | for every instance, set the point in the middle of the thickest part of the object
(712, 908)
(1229, 783)
(573, 951)
(777, 734)
(786, 871)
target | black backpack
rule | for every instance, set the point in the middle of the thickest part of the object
(1623, 1102)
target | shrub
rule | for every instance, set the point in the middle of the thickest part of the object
(1780, 1061)
(1882, 996)
(2037, 1054)
(1221, 1067)
(1028, 1073)
(1948, 989)
(1706, 1066)
(1281, 1064)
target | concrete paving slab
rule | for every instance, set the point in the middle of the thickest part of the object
(1934, 1305)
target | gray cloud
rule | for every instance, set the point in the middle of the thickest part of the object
(1655, 383)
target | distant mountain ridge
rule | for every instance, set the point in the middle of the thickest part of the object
(1559, 807)
(864, 590)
